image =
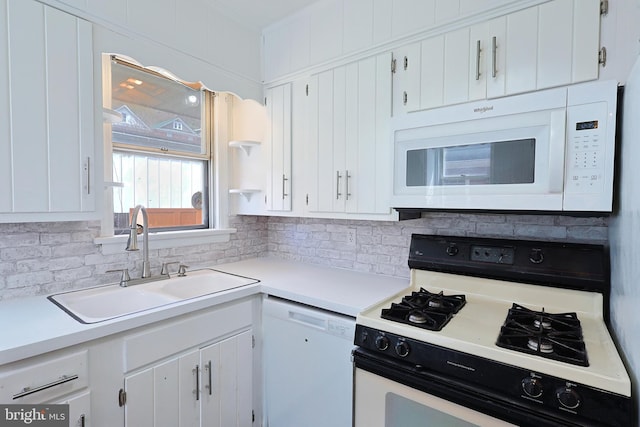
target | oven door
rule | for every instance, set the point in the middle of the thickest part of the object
(381, 402)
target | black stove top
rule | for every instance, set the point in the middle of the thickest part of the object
(425, 309)
(554, 336)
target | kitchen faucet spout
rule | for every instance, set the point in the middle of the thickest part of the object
(132, 243)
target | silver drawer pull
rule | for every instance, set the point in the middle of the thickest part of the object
(29, 390)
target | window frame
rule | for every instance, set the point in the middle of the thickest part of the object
(217, 209)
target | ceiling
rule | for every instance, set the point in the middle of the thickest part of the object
(261, 13)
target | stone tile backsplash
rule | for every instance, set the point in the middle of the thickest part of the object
(383, 247)
(43, 258)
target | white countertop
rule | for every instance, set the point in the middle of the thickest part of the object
(35, 325)
(343, 291)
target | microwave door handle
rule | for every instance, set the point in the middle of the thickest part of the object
(557, 154)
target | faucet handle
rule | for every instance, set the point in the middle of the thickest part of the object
(182, 270)
(125, 276)
(164, 271)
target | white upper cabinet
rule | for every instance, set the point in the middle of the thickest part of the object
(47, 160)
(279, 142)
(348, 158)
(405, 67)
(554, 44)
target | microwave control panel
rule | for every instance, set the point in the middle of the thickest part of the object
(587, 148)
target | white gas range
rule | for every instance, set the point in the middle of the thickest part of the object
(493, 331)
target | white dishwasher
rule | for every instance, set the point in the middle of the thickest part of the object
(307, 365)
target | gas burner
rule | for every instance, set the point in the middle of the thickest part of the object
(542, 323)
(425, 309)
(541, 345)
(554, 336)
(417, 317)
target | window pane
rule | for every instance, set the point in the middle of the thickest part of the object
(160, 149)
(157, 113)
(172, 189)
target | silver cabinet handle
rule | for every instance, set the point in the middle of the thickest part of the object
(29, 390)
(494, 48)
(197, 372)
(208, 367)
(338, 177)
(347, 189)
(405, 98)
(284, 180)
(478, 50)
(82, 420)
(88, 169)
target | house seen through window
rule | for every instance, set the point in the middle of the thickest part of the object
(161, 148)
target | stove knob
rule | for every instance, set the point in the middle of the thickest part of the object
(364, 337)
(452, 250)
(382, 343)
(532, 387)
(402, 349)
(568, 397)
(536, 256)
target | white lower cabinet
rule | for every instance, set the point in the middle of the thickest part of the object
(209, 386)
(57, 378)
(79, 409)
(196, 370)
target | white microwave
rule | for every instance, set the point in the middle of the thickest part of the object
(550, 150)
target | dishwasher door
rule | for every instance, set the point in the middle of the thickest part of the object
(307, 366)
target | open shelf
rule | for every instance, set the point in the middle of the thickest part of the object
(244, 145)
(246, 192)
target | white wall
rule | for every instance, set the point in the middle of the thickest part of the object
(191, 38)
(620, 34)
(624, 232)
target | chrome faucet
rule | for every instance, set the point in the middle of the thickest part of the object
(132, 243)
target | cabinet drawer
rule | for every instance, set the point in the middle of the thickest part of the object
(44, 379)
(162, 341)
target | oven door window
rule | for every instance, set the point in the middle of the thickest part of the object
(488, 163)
(403, 412)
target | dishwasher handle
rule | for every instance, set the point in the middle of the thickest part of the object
(306, 319)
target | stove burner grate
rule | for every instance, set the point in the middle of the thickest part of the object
(554, 336)
(425, 310)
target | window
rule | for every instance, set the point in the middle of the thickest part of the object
(161, 149)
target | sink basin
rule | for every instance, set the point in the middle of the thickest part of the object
(107, 302)
(193, 285)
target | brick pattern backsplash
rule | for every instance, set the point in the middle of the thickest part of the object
(383, 247)
(43, 258)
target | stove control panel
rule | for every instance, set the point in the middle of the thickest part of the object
(492, 254)
(428, 365)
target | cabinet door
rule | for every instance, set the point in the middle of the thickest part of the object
(406, 78)
(166, 394)
(495, 69)
(279, 140)
(79, 410)
(456, 66)
(521, 51)
(555, 43)
(322, 183)
(432, 73)
(368, 159)
(227, 388)
(47, 86)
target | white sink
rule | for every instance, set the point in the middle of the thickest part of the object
(107, 302)
(197, 284)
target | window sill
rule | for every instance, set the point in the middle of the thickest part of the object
(168, 239)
